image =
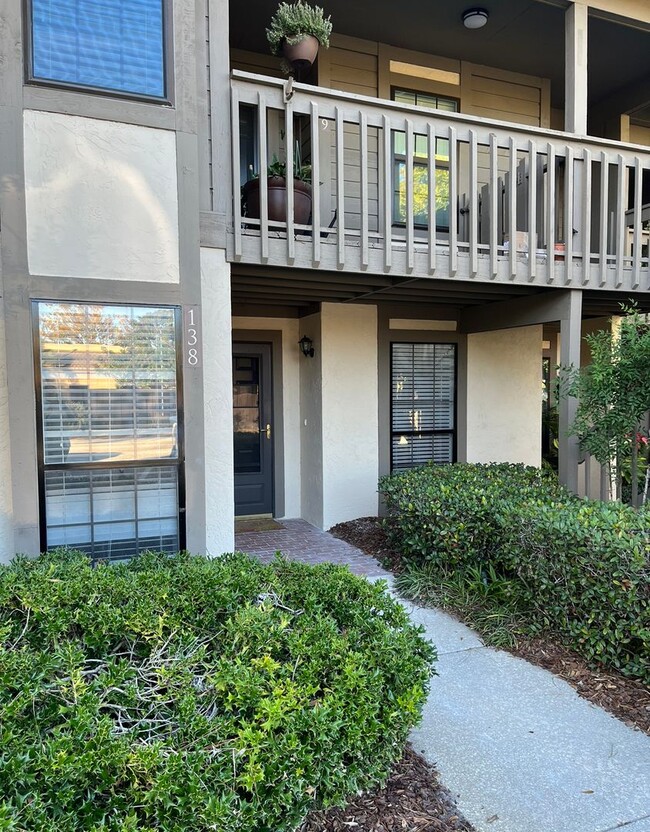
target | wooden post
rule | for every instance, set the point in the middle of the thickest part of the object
(575, 68)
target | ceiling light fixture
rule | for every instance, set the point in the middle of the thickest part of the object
(475, 18)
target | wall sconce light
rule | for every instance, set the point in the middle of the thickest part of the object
(306, 346)
(475, 18)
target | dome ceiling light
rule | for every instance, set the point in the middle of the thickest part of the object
(475, 18)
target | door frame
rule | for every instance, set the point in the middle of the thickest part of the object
(274, 339)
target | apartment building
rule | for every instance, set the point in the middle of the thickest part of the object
(175, 355)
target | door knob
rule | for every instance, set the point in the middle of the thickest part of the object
(268, 431)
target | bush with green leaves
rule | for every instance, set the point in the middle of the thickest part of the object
(176, 694)
(292, 21)
(577, 568)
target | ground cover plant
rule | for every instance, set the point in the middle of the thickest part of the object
(523, 555)
(182, 693)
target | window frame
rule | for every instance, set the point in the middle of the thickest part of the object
(398, 158)
(179, 462)
(433, 432)
(167, 99)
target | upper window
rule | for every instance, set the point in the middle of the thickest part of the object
(113, 45)
(420, 165)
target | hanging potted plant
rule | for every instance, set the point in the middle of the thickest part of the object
(277, 192)
(296, 32)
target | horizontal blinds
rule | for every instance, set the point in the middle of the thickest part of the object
(109, 424)
(112, 44)
(113, 513)
(423, 403)
(108, 383)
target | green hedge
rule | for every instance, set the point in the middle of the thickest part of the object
(192, 694)
(576, 567)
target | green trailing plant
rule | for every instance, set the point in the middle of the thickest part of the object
(185, 693)
(526, 550)
(293, 21)
(613, 397)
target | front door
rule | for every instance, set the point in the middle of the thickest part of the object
(253, 428)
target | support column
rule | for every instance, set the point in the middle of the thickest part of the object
(570, 342)
(575, 68)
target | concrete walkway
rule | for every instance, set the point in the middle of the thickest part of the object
(518, 748)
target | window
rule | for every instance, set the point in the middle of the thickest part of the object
(420, 165)
(423, 404)
(114, 45)
(108, 406)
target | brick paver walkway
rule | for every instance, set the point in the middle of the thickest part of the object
(300, 541)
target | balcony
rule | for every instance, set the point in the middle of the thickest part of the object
(512, 204)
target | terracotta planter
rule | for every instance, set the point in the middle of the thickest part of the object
(277, 187)
(301, 55)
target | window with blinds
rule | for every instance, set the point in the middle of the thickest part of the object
(115, 45)
(108, 392)
(423, 404)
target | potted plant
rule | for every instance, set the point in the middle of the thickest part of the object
(277, 192)
(296, 32)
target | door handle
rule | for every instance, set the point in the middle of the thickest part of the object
(268, 431)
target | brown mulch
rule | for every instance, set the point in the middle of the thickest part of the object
(411, 801)
(626, 699)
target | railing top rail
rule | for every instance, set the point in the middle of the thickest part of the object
(383, 105)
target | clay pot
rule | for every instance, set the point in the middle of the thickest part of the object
(301, 55)
(277, 187)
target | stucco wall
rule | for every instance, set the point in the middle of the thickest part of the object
(217, 380)
(349, 358)
(289, 395)
(311, 425)
(504, 396)
(102, 199)
(7, 550)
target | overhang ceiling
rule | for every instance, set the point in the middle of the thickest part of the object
(521, 35)
(292, 291)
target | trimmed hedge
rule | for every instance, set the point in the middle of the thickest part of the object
(578, 567)
(192, 694)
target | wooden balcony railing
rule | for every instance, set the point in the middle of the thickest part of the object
(510, 203)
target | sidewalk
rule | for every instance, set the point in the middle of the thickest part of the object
(516, 746)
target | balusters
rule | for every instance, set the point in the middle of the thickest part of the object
(431, 196)
(453, 202)
(288, 131)
(550, 213)
(532, 210)
(568, 215)
(621, 172)
(340, 189)
(494, 206)
(388, 193)
(262, 152)
(604, 206)
(586, 218)
(236, 168)
(636, 239)
(473, 204)
(410, 231)
(363, 152)
(315, 184)
(512, 208)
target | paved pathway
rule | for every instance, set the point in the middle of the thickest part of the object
(520, 750)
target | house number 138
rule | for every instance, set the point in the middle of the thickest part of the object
(192, 323)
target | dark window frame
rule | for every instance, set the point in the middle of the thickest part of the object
(167, 99)
(400, 158)
(433, 432)
(103, 465)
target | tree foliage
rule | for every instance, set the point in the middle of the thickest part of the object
(613, 394)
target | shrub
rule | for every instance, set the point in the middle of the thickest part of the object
(577, 567)
(183, 693)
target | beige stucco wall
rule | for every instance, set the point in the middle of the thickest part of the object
(504, 395)
(217, 406)
(102, 199)
(311, 424)
(349, 358)
(7, 550)
(289, 445)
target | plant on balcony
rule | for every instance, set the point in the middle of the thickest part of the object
(276, 174)
(296, 32)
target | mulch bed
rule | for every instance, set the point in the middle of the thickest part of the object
(627, 699)
(411, 801)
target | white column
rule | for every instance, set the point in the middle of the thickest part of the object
(217, 402)
(570, 342)
(575, 68)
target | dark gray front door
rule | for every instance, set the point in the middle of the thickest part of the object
(253, 428)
